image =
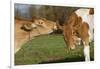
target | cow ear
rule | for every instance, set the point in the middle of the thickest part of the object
(91, 11)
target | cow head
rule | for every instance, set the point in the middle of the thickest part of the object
(44, 23)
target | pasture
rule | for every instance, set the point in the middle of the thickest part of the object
(49, 49)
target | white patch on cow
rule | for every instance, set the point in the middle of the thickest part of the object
(89, 19)
(91, 36)
(83, 13)
(91, 27)
(87, 53)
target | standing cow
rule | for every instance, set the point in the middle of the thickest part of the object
(79, 25)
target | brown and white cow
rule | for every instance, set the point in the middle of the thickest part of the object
(79, 25)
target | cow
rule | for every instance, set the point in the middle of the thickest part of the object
(43, 26)
(79, 26)
(47, 25)
(27, 29)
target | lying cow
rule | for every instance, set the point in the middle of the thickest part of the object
(45, 26)
(42, 25)
(27, 29)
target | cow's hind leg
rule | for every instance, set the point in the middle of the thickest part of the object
(83, 32)
(86, 49)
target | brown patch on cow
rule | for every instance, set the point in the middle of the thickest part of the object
(91, 11)
(68, 30)
(83, 30)
(72, 20)
(68, 33)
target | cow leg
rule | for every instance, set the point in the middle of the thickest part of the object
(86, 51)
(71, 43)
(68, 37)
(83, 32)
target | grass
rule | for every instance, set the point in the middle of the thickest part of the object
(49, 49)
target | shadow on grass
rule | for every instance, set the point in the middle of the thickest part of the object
(73, 59)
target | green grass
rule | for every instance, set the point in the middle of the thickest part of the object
(49, 49)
